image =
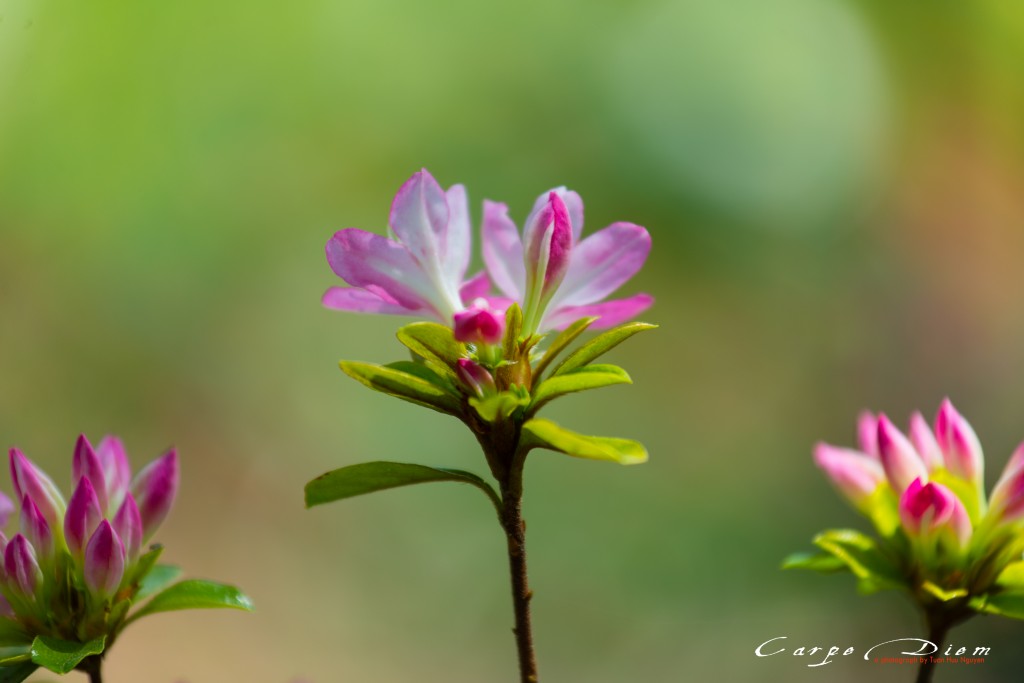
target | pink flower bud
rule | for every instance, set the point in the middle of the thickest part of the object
(548, 238)
(959, 444)
(867, 433)
(128, 525)
(21, 567)
(117, 472)
(87, 464)
(154, 489)
(1007, 503)
(930, 508)
(924, 442)
(6, 509)
(31, 481)
(479, 324)
(36, 530)
(854, 474)
(476, 377)
(82, 517)
(104, 561)
(901, 462)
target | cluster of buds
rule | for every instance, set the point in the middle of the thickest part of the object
(956, 551)
(71, 565)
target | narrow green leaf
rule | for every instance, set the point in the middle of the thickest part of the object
(17, 673)
(158, 577)
(500, 405)
(863, 557)
(560, 343)
(580, 379)
(825, 563)
(368, 477)
(402, 385)
(541, 433)
(601, 344)
(513, 327)
(424, 372)
(15, 654)
(434, 342)
(1007, 604)
(62, 656)
(195, 594)
(1012, 576)
(943, 594)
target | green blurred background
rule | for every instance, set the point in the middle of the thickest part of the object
(835, 193)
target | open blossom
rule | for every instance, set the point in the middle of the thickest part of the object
(421, 271)
(554, 275)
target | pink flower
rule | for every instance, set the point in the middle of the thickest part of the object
(856, 475)
(566, 279)
(421, 271)
(901, 462)
(931, 508)
(959, 444)
(479, 324)
(1007, 503)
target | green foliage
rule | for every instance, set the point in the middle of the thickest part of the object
(435, 343)
(158, 577)
(403, 385)
(367, 477)
(11, 633)
(62, 656)
(826, 563)
(1005, 603)
(580, 379)
(541, 433)
(15, 654)
(560, 343)
(501, 405)
(599, 345)
(195, 594)
(862, 556)
(16, 673)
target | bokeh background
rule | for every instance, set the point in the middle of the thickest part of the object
(834, 188)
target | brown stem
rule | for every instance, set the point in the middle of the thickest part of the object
(515, 532)
(92, 665)
(938, 629)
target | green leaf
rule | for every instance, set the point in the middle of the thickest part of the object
(158, 577)
(62, 656)
(825, 563)
(368, 477)
(500, 405)
(860, 553)
(1012, 576)
(403, 385)
(560, 343)
(601, 344)
(424, 372)
(541, 433)
(195, 594)
(581, 379)
(12, 633)
(15, 654)
(17, 673)
(513, 327)
(433, 342)
(942, 594)
(1007, 604)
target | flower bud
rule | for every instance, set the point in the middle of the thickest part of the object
(104, 561)
(154, 489)
(479, 324)
(547, 239)
(926, 509)
(854, 474)
(21, 567)
(128, 525)
(1007, 503)
(867, 433)
(117, 471)
(476, 377)
(901, 462)
(82, 517)
(6, 509)
(959, 444)
(924, 442)
(36, 530)
(87, 464)
(31, 481)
